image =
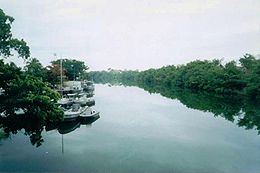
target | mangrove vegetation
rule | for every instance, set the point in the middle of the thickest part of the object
(232, 78)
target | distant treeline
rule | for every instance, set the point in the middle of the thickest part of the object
(232, 78)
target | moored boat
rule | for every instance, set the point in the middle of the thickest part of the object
(90, 112)
(74, 112)
(80, 98)
(88, 86)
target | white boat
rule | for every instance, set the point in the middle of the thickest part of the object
(1, 91)
(72, 97)
(88, 86)
(80, 98)
(67, 99)
(90, 112)
(73, 113)
(64, 101)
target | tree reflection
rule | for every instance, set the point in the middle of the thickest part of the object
(240, 110)
(33, 126)
(69, 126)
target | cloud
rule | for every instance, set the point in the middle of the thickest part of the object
(136, 34)
(182, 7)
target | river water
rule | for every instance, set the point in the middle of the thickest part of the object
(138, 132)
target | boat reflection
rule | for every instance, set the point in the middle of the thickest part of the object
(66, 127)
(33, 127)
(69, 126)
(78, 110)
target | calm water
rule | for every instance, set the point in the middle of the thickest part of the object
(138, 132)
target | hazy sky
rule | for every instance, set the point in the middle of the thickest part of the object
(136, 34)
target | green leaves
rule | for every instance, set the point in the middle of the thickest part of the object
(211, 76)
(7, 42)
(35, 68)
(20, 46)
(30, 94)
(73, 68)
(252, 77)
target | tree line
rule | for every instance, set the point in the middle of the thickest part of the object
(232, 78)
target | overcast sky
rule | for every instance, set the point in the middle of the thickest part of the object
(136, 34)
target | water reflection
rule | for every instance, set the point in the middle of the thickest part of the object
(69, 126)
(33, 119)
(142, 133)
(33, 126)
(240, 110)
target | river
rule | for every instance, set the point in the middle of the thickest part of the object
(139, 132)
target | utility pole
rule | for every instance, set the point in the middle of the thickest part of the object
(61, 74)
(72, 66)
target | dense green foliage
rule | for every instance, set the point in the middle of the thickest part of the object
(7, 42)
(34, 68)
(73, 68)
(27, 92)
(211, 76)
(52, 73)
(24, 91)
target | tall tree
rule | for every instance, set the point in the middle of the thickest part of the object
(251, 69)
(53, 74)
(7, 42)
(35, 68)
(72, 67)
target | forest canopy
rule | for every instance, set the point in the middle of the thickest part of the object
(232, 78)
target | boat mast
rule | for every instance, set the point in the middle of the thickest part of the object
(62, 146)
(61, 76)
